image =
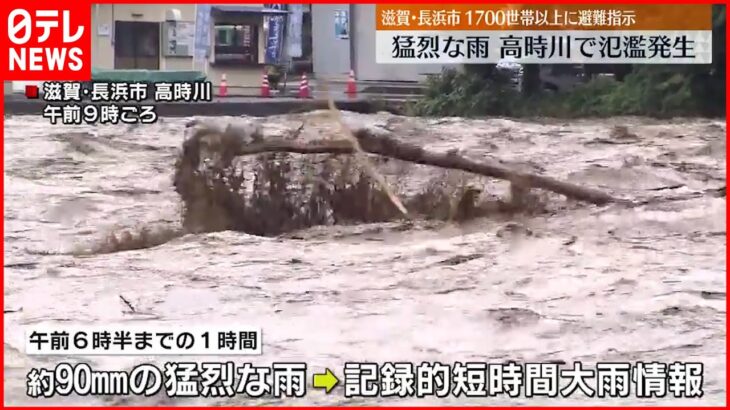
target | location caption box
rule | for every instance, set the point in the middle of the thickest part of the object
(117, 102)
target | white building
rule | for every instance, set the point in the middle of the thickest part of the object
(333, 55)
(161, 36)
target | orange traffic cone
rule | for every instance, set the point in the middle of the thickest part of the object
(265, 91)
(351, 86)
(304, 87)
(223, 88)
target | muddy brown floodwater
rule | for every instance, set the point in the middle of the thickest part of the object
(580, 282)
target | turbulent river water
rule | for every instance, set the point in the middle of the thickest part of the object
(582, 283)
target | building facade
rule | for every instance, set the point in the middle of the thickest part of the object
(161, 37)
(335, 54)
(334, 39)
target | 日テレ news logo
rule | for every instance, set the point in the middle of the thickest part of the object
(46, 41)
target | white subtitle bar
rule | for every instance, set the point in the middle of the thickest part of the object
(543, 47)
(152, 340)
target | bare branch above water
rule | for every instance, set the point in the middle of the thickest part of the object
(386, 146)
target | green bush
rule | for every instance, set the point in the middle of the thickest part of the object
(658, 91)
(454, 93)
(649, 90)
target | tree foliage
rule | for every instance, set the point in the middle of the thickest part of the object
(651, 90)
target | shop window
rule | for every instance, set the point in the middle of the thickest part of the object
(236, 44)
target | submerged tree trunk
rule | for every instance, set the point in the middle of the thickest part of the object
(237, 144)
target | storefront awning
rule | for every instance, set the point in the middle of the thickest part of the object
(247, 10)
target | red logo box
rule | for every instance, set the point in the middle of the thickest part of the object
(46, 41)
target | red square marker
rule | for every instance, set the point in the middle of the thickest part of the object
(31, 91)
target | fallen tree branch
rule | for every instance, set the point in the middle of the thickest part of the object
(389, 147)
(129, 305)
(358, 152)
(413, 153)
